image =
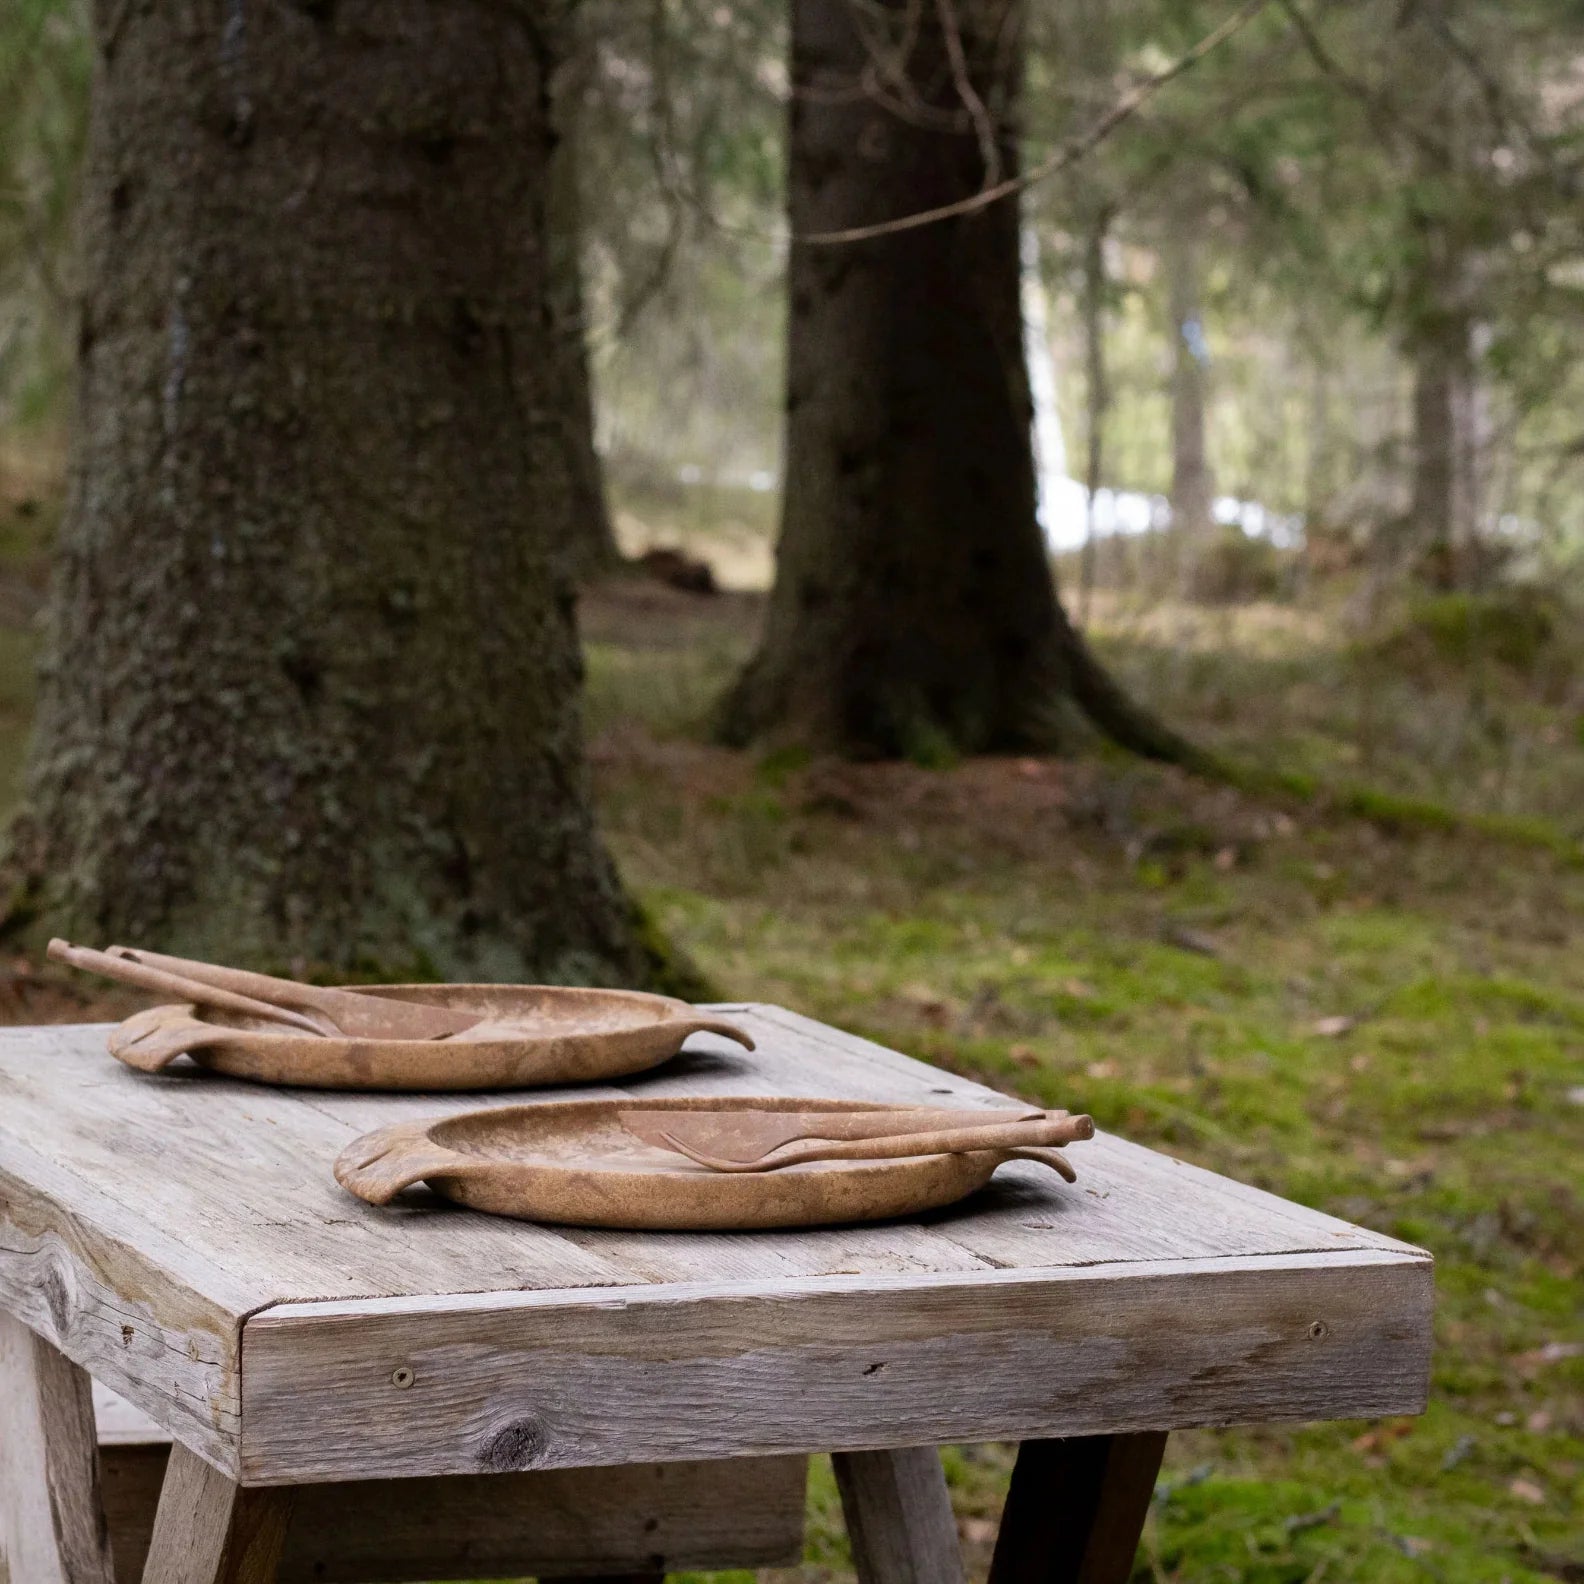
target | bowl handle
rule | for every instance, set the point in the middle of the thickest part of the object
(1046, 1156)
(379, 1165)
(152, 1040)
(708, 1025)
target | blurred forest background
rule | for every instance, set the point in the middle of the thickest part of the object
(1303, 337)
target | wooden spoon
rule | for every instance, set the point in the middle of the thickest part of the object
(146, 978)
(766, 1141)
(347, 1011)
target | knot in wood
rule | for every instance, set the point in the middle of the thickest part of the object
(517, 1446)
(58, 1289)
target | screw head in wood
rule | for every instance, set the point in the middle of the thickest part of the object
(402, 1377)
(1319, 1330)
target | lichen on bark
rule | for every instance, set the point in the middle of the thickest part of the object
(311, 683)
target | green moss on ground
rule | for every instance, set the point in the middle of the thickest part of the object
(1388, 1027)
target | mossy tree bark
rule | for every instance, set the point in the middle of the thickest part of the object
(914, 611)
(311, 693)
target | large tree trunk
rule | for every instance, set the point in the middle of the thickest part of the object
(592, 542)
(311, 690)
(914, 611)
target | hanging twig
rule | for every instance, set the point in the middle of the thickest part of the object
(962, 78)
(1073, 150)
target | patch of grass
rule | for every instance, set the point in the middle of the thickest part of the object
(1387, 1024)
(1515, 627)
(1482, 729)
(672, 692)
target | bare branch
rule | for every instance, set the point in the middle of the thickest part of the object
(984, 128)
(1069, 153)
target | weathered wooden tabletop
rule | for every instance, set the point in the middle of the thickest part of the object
(181, 1238)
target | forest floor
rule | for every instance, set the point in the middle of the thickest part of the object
(1378, 1016)
(1350, 999)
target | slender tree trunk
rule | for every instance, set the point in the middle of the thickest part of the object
(1097, 395)
(1440, 290)
(914, 611)
(1442, 510)
(1318, 454)
(592, 541)
(312, 675)
(1192, 487)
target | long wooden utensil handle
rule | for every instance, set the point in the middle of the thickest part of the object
(351, 1012)
(242, 981)
(1005, 1135)
(163, 983)
(947, 1141)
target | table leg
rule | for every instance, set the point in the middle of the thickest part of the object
(899, 1517)
(52, 1526)
(1076, 1509)
(210, 1530)
(607, 1578)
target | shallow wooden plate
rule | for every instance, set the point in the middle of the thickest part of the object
(572, 1162)
(567, 1036)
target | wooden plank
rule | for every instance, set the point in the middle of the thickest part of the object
(251, 1217)
(121, 1424)
(241, 1174)
(1076, 1508)
(210, 1530)
(143, 1220)
(554, 1380)
(605, 1578)
(108, 1290)
(645, 1519)
(715, 1066)
(52, 1528)
(899, 1517)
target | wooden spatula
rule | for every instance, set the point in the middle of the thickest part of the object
(349, 1012)
(315, 1009)
(165, 983)
(752, 1131)
(756, 1140)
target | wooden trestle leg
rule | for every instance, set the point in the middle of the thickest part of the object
(1076, 1509)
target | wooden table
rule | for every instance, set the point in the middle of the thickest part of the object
(422, 1393)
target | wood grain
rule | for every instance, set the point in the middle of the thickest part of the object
(1075, 1510)
(209, 1530)
(899, 1517)
(52, 1528)
(159, 1231)
(263, 1223)
(643, 1519)
(110, 1292)
(536, 1380)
